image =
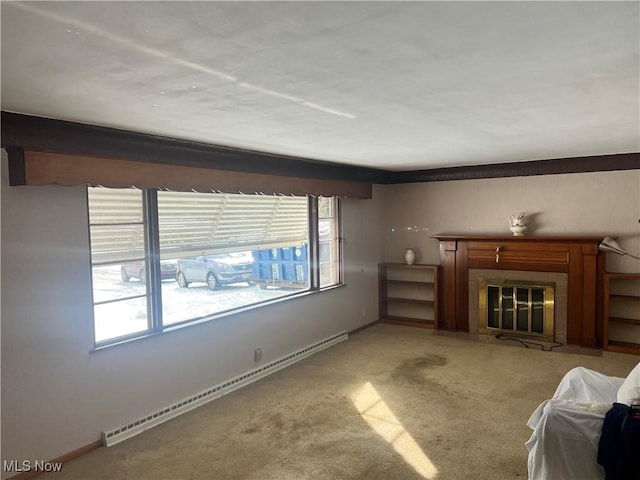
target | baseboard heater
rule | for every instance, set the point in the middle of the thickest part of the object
(139, 425)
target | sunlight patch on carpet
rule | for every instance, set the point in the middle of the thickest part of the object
(381, 419)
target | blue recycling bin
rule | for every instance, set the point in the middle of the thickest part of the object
(287, 265)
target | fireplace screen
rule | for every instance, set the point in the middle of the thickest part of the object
(516, 307)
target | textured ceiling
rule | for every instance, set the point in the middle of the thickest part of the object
(394, 85)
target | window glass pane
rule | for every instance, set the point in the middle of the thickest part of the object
(114, 205)
(329, 247)
(328, 274)
(117, 229)
(326, 229)
(194, 224)
(325, 207)
(120, 318)
(111, 282)
(118, 262)
(198, 301)
(230, 251)
(326, 252)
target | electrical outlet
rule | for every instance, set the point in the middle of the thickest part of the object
(364, 312)
(257, 354)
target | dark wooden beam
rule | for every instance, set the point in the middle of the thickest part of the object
(599, 163)
(74, 138)
(33, 167)
(17, 171)
(60, 136)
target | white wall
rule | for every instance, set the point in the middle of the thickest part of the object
(58, 396)
(598, 204)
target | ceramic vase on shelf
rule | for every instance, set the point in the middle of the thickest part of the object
(516, 224)
(409, 256)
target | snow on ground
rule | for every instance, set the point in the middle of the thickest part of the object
(125, 317)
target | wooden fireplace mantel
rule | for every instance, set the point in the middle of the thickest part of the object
(578, 257)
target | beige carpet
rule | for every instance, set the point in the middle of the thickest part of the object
(390, 403)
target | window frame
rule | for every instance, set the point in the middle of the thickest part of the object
(336, 209)
(152, 251)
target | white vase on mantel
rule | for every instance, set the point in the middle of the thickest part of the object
(409, 256)
(516, 224)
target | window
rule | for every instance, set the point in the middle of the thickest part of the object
(329, 253)
(164, 259)
(117, 232)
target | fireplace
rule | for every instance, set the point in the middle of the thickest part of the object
(574, 264)
(556, 331)
(516, 307)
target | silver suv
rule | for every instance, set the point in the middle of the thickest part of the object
(215, 270)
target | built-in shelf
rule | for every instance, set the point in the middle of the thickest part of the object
(621, 312)
(404, 282)
(630, 321)
(409, 300)
(630, 298)
(408, 294)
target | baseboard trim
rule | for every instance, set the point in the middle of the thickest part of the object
(408, 323)
(363, 327)
(227, 387)
(67, 457)
(138, 425)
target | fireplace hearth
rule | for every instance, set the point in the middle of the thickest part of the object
(576, 260)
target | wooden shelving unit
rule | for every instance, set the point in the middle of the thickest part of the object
(408, 294)
(622, 312)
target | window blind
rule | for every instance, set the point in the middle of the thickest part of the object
(193, 223)
(201, 223)
(116, 225)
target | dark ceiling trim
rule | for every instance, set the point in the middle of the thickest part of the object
(46, 134)
(599, 163)
(60, 136)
